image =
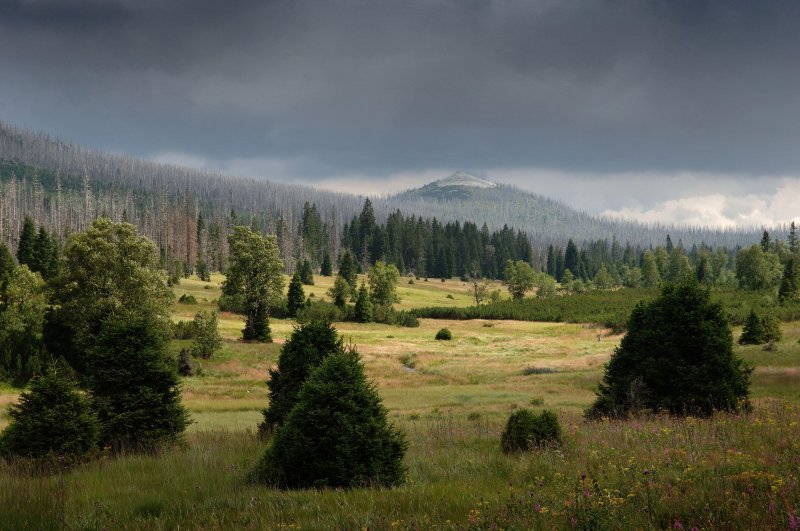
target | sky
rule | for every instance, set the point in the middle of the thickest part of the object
(683, 111)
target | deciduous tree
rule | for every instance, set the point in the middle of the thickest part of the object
(256, 274)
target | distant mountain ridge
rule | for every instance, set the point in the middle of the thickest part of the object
(465, 197)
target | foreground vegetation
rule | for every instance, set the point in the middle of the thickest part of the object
(727, 472)
(452, 399)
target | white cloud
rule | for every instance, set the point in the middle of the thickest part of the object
(724, 211)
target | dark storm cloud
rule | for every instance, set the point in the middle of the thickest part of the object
(377, 87)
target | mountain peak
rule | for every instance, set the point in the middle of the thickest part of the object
(461, 178)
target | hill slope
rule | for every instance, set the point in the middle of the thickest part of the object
(465, 197)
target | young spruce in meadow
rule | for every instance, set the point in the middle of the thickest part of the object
(337, 435)
(52, 419)
(309, 344)
(677, 356)
(135, 387)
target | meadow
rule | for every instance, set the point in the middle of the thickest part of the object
(451, 398)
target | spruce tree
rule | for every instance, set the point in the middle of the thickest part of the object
(348, 269)
(759, 329)
(363, 309)
(789, 290)
(677, 356)
(7, 264)
(305, 349)
(26, 248)
(296, 298)
(306, 272)
(52, 419)
(753, 332)
(766, 244)
(45, 255)
(326, 269)
(135, 386)
(337, 435)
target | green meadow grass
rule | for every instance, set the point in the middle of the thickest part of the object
(451, 398)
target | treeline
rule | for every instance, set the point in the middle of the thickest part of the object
(429, 248)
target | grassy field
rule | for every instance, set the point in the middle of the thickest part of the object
(452, 399)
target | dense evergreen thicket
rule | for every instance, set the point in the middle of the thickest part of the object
(337, 434)
(677, 356)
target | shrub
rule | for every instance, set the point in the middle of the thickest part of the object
(677, 356)
(135, 386)
(409, 361)
(444, 335)
(183, 330)
(527, 371)
(337, 435)
(319, 311)
(186, 365)
(305, 349)
(187, 299)
(207, 338)
(526, 430)
(52, 419)
(399, 318)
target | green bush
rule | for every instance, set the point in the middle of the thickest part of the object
(187, 299)
(52, 419)
(183, 330)
(207, 338)
(526, 430)
(320, 311)
(394, 317)
(677, 357)
(444, 335)
(309, 344)
(337, 435)
(186, 365)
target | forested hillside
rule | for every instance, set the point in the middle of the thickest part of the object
(189, 213)
(464, 197)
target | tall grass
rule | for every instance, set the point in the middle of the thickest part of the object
(730, 471)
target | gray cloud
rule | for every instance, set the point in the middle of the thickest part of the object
(376, 88)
